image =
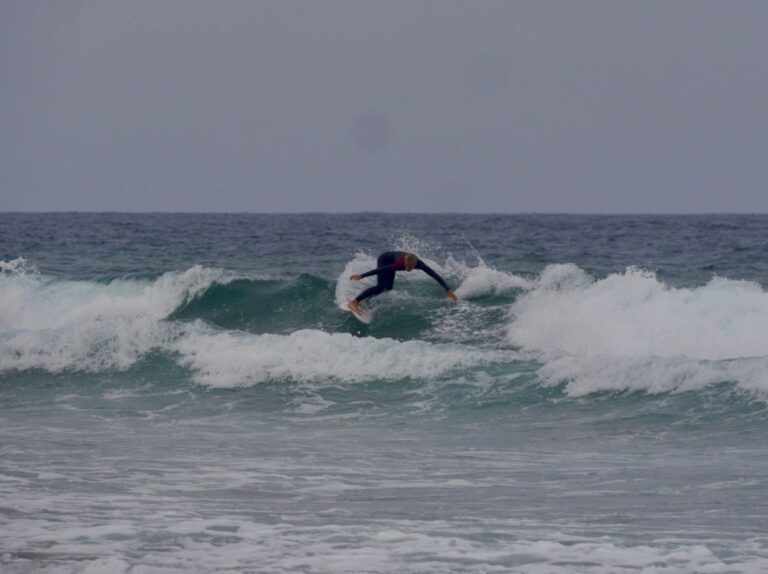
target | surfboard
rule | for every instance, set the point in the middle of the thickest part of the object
(346, 289)
(364, 316)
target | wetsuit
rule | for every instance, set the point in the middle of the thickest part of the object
(386, 266)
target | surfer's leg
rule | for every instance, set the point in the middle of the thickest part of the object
(386, 281)
(370, 292)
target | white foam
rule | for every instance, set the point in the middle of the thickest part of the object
(57, 325)
(653, 375)
(230, 359)
(381, 546)
(484, 280)
(18, 266)
(632, 331)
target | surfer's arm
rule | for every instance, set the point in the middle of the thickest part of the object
(432, 273)
(376, 271)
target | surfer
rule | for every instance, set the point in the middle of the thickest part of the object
(387, 265)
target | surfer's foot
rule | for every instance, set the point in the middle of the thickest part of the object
(354, 306)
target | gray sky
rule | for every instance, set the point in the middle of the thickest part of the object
(180, 105)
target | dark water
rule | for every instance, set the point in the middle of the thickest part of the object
(183, 393)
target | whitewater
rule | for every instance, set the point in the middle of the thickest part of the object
(183, 393)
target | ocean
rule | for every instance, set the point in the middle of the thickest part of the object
(182, 393)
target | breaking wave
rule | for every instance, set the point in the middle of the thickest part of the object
(631, 331)
(625, 332)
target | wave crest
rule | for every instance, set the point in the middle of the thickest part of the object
(632, 331)
(85, 325)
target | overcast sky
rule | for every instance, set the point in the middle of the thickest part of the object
(541, 106)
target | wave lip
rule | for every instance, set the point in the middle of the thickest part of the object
(59, 325)
(598, 334)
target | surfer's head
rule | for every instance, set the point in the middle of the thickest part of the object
(410, 261)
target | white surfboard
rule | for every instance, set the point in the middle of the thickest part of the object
(347, 289)
(364, 315)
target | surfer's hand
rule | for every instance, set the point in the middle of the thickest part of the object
(451, 295)
(356, 277)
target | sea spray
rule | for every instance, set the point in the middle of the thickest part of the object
(630, 331)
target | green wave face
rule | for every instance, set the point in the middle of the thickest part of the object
(264, 306)
(307, 302)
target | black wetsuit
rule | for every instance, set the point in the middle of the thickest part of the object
(386, 266)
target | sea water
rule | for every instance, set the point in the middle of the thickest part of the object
(183, 393)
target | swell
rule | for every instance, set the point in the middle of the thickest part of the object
(263, 305)
(565, 329)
